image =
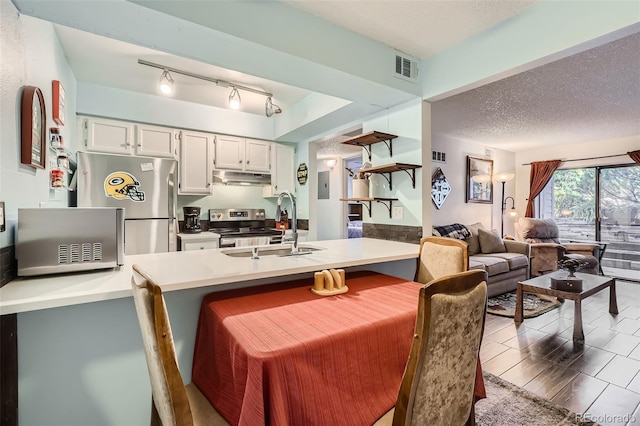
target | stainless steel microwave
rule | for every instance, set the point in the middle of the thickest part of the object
(56, 240)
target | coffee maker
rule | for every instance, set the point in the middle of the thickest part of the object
(191, 219)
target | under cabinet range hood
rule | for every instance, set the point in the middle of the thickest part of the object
(225, 177)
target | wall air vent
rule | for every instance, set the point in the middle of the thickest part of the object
(406, 67)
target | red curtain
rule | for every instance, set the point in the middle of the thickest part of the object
(541, 172)
(635, 156)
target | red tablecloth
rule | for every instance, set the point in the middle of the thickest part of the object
(284, 356)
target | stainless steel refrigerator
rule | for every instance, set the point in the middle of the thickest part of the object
(144, 186)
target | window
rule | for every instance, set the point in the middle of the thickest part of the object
(598, 204)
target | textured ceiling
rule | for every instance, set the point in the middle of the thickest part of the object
(419, 28)
(590, 96)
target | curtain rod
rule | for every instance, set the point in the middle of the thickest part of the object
(584, 159)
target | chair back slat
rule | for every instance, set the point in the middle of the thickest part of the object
(168, 390)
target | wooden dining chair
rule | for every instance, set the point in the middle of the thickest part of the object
(440, 256)
(173, 403)
(439, 380)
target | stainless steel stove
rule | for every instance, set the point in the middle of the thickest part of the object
(242, 227)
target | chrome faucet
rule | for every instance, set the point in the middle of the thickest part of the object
(294, 221)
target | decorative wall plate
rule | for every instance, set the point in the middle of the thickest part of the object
(440, 188)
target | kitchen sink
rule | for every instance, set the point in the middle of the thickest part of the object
(270, 251)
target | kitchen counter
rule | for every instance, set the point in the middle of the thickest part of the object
(193, 269)
(198, 236)
(89, 356)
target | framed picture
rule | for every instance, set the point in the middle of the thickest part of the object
(479, 180)
(57, 102)
(33, 127)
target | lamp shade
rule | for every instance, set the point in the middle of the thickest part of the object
(504, 177)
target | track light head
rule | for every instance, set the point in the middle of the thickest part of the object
(270, 108)
(166, 82)
(234, 99)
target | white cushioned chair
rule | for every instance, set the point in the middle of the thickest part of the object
(173, 403)
(440, 256)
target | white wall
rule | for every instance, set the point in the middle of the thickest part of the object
(126, 105)
(455, 208)
(31, 55)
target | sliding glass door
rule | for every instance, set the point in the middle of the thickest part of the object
(598, 204)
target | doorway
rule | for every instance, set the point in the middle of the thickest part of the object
(353, 208)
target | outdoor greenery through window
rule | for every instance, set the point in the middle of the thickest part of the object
(598, 204)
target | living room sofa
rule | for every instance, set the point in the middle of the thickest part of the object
(506, 261)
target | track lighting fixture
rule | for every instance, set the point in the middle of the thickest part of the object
(270, 108)
(234, 99)
(166, 86)
(166, 82)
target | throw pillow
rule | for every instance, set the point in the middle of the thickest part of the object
(490, 242)
(473, 241)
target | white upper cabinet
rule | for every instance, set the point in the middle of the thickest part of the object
(234, 153)
(257, 156)
(196, 163)
(229, 153)
(282, 171)
(118, 137)
(110, 136)
(155, 141)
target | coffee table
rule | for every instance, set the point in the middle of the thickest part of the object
(591, 284)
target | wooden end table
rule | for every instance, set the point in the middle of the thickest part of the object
(591, 284)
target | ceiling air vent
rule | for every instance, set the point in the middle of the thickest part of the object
(406, 67)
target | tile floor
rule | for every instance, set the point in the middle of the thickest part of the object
(599, 379)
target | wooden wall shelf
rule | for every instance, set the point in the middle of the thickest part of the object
(376, 199)
(410, 169)
(366, 139)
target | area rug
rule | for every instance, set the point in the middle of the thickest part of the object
(534, 304)
(507, 404)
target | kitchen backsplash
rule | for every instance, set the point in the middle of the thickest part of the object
(407, 234)
(269, 223)
(8, 265)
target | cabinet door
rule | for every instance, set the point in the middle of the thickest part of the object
(110, 136)
(199, 245)
(257, 156)
(229, 153)
(196, 160)
(155, 141)
(283, 174)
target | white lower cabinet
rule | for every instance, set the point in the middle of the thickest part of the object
(282, 170)
(201, 241)
(196, 163)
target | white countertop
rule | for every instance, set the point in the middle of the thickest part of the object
(199, 236)
(191, 269)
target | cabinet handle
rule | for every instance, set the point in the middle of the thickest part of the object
(240, 162)
(248, 162)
